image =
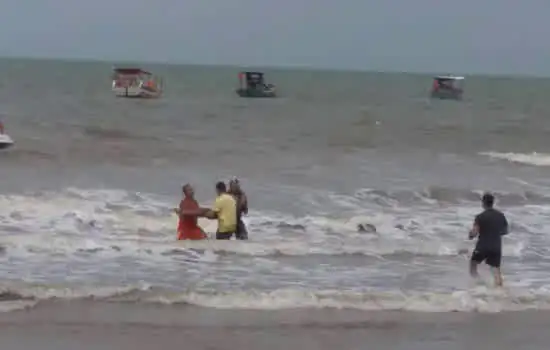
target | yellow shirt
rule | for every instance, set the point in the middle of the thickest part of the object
(226, 208)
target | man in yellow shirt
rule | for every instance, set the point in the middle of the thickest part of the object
(225, 211)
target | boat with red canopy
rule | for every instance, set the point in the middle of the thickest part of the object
(447, 87)
(136, 83)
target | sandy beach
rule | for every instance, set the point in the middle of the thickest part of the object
(95, 325)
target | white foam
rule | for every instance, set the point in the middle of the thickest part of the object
(50, 291)
(536, 159)
(14, 305)
(26, 295)
(480, 299)
(38, 229)
(112, 223)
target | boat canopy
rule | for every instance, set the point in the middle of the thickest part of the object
(448, 77)
(130, 71)
(252, 77)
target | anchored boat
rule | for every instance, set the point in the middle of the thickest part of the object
(252, 84)
(448, 87)
(136, 83)
(5, 139)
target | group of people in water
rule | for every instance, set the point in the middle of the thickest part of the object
(230, 205)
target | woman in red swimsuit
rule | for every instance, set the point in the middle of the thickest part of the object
(187, 225)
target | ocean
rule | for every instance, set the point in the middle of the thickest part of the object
(87, 191)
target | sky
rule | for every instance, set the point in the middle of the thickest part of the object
(466, 36)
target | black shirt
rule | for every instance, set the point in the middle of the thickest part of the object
(492, 226)
(240, 205)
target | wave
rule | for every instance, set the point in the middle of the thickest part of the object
(111, 223)
(277, 249)
(479, 298)
(98, 234)
(446, 195)
(535, 159)
(22, 296)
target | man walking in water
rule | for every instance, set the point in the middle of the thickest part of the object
(489, 226)
(242, 207)
(188, 227)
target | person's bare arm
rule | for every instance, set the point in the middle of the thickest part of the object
(210, 214)
(244, 204)
(474, 232)
(506, 227)
(179, 209)
(193, 212)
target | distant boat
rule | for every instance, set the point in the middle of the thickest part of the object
(447, 87)
(136, 83)
(5, 139)
(252, 84)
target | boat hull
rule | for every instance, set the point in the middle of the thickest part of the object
(5, 141)
(255, 93)
(131, 92)
(447, 95)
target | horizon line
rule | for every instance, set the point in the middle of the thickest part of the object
(289, 67)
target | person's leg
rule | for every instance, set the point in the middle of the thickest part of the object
(497, 275)
(473, 268)
(493, 260)
(477, 258)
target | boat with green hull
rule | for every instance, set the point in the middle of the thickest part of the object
(252, 84)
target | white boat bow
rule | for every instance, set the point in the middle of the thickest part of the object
(5, 141)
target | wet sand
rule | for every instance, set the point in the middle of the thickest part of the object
(95, 325)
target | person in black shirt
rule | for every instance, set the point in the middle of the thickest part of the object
(489, 227)
(242, 207)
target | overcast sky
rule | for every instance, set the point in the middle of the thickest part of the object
(464, 36)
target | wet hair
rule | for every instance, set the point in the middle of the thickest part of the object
(220, 186)
(488, 200)
(234, 182)
(185, 186)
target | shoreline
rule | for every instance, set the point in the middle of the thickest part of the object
(91, 325)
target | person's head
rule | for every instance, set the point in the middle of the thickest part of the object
(220, 188)
(234, 185)
(488, 200)
(188, 191)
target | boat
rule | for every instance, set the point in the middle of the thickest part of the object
(5, 139)
(447, 87)
(252, 84)
(136, 83)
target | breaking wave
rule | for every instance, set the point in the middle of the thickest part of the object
(110, 222)
(535, 159)
(478, 298)
(65, 244)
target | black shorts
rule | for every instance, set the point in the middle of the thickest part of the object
(491, 258)
(224, 235)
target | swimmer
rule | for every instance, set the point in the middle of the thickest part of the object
(188, 227)
(489, 227)
(242, 207)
